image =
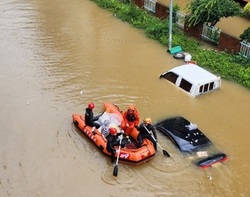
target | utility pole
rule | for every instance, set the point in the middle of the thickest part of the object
(170, 24)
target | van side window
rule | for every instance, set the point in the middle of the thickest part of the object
(206, 87)
(170, 76)
(201, 89)
(211, 86)
(185, 85)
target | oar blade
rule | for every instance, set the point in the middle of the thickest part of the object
(115, 171)
(166, 153)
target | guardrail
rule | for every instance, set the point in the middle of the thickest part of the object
(245, 48)
(180, 20)
(150, 5)
(211, 34)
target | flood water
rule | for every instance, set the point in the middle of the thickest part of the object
(56, 56)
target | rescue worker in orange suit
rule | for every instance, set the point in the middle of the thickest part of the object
(90, 120)
(130, 120)
(146, 130)
(112, 141)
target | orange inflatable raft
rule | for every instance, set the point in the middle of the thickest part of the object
(112, 117)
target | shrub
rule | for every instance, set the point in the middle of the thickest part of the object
(246, 10)
(246, 35)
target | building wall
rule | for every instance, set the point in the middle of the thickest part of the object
(193, 31)
(139, 3)
(228, 43)
(161, 11)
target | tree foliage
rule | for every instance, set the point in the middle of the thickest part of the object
(246, 10)
(211, 11)
(246, 35)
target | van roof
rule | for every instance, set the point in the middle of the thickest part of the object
(194, 74)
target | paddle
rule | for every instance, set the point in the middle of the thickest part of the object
(163, 151)
(115, 171)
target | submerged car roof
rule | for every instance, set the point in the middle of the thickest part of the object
(194, 74)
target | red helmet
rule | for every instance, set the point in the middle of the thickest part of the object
(91, 106)
(112, 131)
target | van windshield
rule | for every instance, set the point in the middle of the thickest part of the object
(170, 76)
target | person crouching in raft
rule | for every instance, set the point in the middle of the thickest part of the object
(130, 120)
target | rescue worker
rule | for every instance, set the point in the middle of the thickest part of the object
(90, 120)
(112, 141)
(130, 120)
(146, 130)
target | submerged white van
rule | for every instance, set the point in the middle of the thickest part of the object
(192, 79)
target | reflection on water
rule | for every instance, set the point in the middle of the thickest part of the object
(55, 58)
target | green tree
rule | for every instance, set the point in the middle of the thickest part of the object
(211, 11)
(246, 10)
(246, 35)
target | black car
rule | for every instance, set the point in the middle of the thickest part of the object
(189, 139)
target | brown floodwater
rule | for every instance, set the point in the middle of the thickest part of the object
(56, 56)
